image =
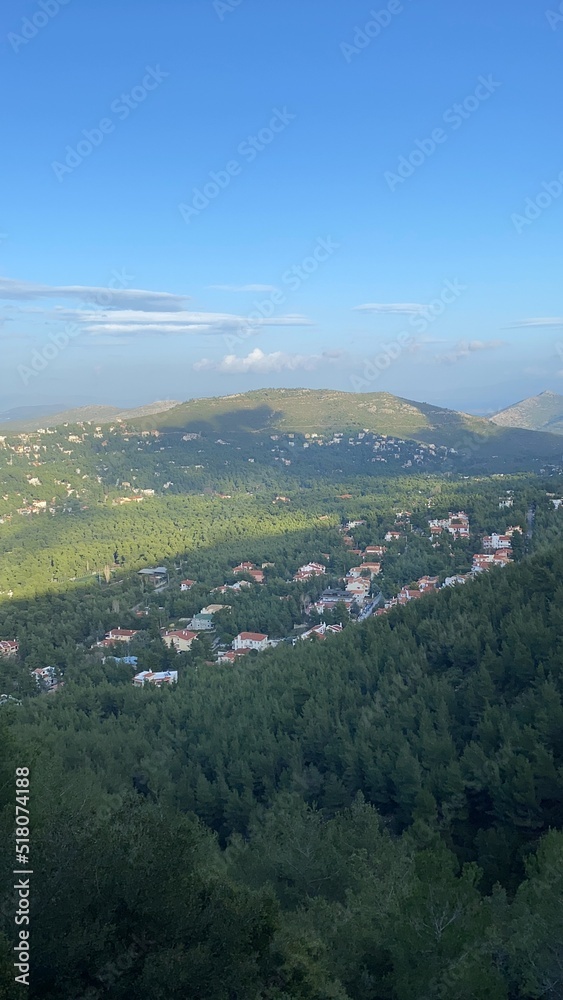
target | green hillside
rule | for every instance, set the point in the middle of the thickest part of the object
(324, 411)
(314, 411)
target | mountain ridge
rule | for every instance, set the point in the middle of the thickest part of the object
(543, 412)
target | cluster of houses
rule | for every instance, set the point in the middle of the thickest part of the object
(383, 447)
(456, 524)
(497, 550)
(425, 585)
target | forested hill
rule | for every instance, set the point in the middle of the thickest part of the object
(325, 412)
(377, 815)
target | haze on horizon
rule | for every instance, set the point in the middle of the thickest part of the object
(209, 199)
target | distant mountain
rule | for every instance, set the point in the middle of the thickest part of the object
(30, 418)
(537, 413)
(324, 411)
(29, 412)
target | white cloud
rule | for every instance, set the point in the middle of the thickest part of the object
(108, 297)
(395, 308)
(135, 323)
(538, 321)
(464, 348)
(258, 362)
(243, 288)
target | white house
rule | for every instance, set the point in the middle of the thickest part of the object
(157, 679)
(250, 640)
(495, 541)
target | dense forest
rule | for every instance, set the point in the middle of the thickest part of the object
(375, 817)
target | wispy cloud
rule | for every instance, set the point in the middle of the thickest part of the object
(259, 362)
(537, 321)
(243, 288)
(135, 323)
(109, 297)
(464, 348)
(393, 308)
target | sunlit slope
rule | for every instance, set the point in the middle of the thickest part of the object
(325, 411)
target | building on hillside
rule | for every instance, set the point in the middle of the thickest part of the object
(157, 575)
(329, 599)
(359, 588)
(502, 557)
(456, 524)
(250, 640)
(374, 568)
(229, 656)
(354, 573)
(393, 536)
(224, 589)
(187, 584)
(374, 550)
(454, 581)
(202, 622)
(428, 583)
(484, 561)
(120, 635)
(459, 525)
(495, 541)
(181, 640)
(319, 632)
(131, 661)
(243, 567)
(160, 679)
(9, 647)
(308, 571)
(46, 677)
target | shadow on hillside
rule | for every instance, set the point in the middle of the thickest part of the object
(486, 440)
(236, 421)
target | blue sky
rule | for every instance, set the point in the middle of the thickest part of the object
(268, 167)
